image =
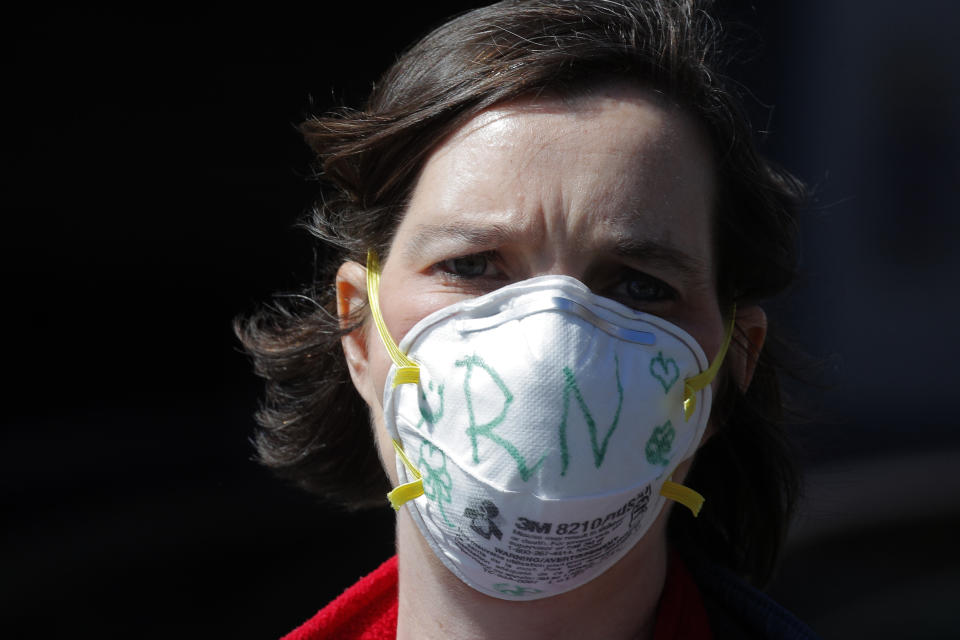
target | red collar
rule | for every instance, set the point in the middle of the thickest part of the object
(365, 611)
(368, 609)
(681, 613)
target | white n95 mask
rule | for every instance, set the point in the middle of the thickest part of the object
(536, 429)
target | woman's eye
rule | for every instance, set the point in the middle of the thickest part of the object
(473, 266)
(640, 287)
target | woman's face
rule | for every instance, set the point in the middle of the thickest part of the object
(614, 189)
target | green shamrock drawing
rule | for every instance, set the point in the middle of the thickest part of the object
(659, 444)
(665, 370)
(437, 484)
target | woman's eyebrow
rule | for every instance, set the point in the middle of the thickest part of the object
(467, 237)
(663, 255)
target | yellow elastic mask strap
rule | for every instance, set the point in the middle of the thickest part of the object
(700, 381)
(408, 371)
(684, 495)
(405, 492)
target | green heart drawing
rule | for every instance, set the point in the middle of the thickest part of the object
(665, 370)
(660, 443)
(427, 413)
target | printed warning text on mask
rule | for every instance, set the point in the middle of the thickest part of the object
(533, 552)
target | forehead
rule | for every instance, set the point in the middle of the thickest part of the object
(618, 161)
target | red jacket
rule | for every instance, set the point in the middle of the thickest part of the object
(368, 609)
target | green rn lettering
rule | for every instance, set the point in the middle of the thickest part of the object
(485, 430)
(599, 448)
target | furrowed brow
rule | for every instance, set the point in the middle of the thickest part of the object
(467, 238)
(665, 256)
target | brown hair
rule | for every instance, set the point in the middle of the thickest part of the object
(313, 426)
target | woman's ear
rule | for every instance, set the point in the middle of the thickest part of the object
(351, 284)
(749, 336)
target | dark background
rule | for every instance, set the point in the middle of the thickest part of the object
(151, 179)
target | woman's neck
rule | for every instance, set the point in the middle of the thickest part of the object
(620, 603)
